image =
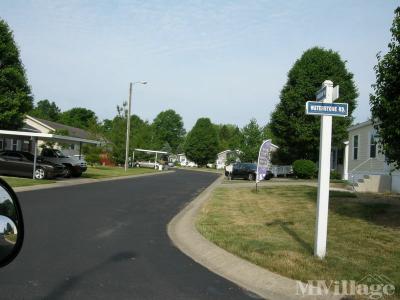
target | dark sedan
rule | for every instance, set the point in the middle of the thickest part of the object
(19, 163)
(245, 171)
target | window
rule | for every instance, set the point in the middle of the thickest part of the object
(14, 145)
(355, 147)
(372, 144)
(26, 146)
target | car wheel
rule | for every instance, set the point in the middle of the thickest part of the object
(251, 177)
(40, 173)
(68, 172)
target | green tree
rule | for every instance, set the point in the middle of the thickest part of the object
(252, 138)
(141, 135)
(166, 148)
(267, 133)
(229, 136)
(47, 110)
(385, 103)
(78, 117)
(15, 94)
(168, 127)
(202, 143)
(296, 133)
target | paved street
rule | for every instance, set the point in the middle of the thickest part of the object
(108, 240)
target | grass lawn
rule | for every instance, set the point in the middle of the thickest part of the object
(274, 228)
(106, 172)
(18, 181)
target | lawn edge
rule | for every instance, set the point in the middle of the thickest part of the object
(82, 181)
(184, 235)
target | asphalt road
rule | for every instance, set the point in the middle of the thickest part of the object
(108, 240)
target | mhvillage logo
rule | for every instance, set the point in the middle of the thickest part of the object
(372, 286)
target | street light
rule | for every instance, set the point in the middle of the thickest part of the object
(128, 123)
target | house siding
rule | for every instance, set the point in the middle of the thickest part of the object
(365, 164)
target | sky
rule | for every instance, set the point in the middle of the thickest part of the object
(226, 60)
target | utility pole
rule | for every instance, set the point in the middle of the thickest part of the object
(128, 127)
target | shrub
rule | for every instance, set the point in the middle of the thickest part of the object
(335, 175)
(304, 169)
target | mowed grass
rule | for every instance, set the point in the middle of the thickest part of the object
(18, 181)
(92, 172)
(274, 229)
(106, 172)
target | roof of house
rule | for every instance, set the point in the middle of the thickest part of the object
(360, 125)
(72, 131)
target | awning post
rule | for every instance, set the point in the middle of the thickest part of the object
(34, 156)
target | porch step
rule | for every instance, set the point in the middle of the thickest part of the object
(373, 183)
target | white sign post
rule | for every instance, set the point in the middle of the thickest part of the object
(327, 94)
(323, 177)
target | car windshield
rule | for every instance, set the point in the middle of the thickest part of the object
(59, 153)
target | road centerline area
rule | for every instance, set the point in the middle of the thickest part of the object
(108, 240)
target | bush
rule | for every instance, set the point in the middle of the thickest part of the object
(335, 175)
(304, 169)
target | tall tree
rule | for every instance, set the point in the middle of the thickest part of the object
(202, 143)
(252, 138)
(115, 132)
(78, 117)
(47, 110)
(229, 136)
(168, 127)
(297, 134)
(15, 94)
(385, 103)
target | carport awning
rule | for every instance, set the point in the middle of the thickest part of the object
(150, 151)
(35, 136)
(46, 136)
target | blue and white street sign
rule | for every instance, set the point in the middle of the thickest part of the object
(327, 109)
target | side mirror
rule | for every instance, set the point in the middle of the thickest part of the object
(11, 224)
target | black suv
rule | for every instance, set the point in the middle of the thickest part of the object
(245, 171)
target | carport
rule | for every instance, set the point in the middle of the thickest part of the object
(36, 136)
(148, 152)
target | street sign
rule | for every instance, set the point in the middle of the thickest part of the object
(321, 94)
(327, 109)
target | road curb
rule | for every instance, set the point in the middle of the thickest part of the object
(81, 181)
(266, 284)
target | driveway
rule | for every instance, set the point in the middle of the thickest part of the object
(108, 240)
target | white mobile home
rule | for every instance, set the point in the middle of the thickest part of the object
(367, 166)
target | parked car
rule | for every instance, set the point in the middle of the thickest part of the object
(19, 163)
(147, 164)
(74, 166)
(245, 171)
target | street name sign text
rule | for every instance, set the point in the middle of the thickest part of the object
(327, 109)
